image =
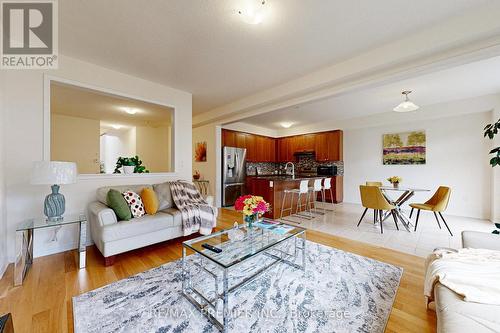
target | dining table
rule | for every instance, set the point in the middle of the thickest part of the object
(406, 194)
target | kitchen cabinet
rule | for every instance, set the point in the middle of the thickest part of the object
(228, 138)
(337, 194)
(251, 146)
(285, 149)
(321, 147)
(240, 140)
(326, 145)
(259, 148)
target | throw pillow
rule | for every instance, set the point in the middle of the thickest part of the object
(150, 201)
(164, 195)
(135, 203)
(117, 203)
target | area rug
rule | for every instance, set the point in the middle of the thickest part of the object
(338, 292)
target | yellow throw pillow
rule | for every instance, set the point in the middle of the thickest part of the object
(150, 201)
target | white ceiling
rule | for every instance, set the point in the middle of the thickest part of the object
(203, 47)
(462, 82)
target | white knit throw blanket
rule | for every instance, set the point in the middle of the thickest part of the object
(197, 214)
(472, 273)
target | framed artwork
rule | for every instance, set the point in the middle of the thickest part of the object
(200, 152)
(404, 148)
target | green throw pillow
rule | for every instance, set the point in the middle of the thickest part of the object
(117, 203)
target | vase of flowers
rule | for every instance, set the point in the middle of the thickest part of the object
(395, 180)
(252, 207)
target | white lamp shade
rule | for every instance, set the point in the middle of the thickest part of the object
(406, 106)
(53, 173)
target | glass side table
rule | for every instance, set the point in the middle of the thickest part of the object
(25, 232)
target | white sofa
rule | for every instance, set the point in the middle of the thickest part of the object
(457, 316)
(113, 237)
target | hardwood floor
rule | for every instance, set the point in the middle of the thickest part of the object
(43, 303)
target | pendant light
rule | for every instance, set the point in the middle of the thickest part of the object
(406, 105)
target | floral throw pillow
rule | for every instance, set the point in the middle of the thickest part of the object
(135, 203)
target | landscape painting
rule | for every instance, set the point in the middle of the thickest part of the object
(404, 148)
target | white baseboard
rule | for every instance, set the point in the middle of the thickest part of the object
(57, 248)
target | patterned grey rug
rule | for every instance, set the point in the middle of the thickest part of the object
(338, 292)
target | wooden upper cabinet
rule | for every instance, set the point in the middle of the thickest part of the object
(241, 140)
(284, 149)
(335, 146)
(251, 145)
(259, 148)
(308, 142)
(327, 145)
(321, 147)
(228, 138)
(266, 148)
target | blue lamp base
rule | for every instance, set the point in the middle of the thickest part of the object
(54, 205)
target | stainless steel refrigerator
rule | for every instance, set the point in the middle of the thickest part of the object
(233, 174)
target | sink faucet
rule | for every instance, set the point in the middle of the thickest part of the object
(293, 169)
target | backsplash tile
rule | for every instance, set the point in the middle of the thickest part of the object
(268, 168)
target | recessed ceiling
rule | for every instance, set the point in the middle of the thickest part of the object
(203, 46)
(461, 82)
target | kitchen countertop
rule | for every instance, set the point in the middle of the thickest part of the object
(285, 177)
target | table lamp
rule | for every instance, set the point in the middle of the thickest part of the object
(54, 173)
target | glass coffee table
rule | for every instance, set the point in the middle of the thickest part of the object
(272, 241)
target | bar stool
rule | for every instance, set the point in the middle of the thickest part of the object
(327, 186)
(302, 190)
(316, 188)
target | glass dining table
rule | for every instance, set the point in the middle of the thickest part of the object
(407, 193)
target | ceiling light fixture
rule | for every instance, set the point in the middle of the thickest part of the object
(254, 11)
(406, 105)
(130, 110)
(286, 124)
(116, 127)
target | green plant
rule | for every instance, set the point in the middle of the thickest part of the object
(130, 161)
(490, 131)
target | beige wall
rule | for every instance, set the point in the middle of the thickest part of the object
(76, 140)
(208, 170)
(153, 147)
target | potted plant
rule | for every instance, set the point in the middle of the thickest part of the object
(252, 207)
(490, 131)
(395, 180)
(130, 165)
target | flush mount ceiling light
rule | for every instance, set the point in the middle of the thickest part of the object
(286, 124)
(406, 105)
(253, 11)
(116, 127)
(130, 110)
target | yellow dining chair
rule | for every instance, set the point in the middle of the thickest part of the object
(436, 204)
(372, 198)
(378, 184)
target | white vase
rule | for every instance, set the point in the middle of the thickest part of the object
(128, 169)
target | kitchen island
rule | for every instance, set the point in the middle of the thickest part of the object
(271, 188)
